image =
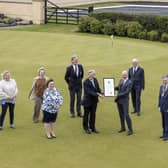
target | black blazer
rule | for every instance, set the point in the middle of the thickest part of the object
(71, 78)
(123, 91)
(163, 100)
(90, 92)
(137, 78)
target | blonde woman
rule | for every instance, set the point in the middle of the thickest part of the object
(36, 93)
(8, 94)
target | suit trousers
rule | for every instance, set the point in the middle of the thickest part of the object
(124, 115)
(163, 120)
(78, 93)
(165, 124)
(136, 97)
(89, 117)
(37, 107)
(11, 113)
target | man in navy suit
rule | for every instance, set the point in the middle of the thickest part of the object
(73, 76)
(136, 75)
(122, 100)
(163, 106)
(91, 93)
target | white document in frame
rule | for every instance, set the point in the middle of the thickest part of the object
(109, 87)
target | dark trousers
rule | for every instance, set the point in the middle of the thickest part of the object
(89, 117)
(165, 123)
(11, 113)
(136, 98)
(75, 92)
(124, 115)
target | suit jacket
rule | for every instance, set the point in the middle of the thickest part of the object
(137, 78)
(163, 99)
(90, 92)
(123, 91)
(72, 79)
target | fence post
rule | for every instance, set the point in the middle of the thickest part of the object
(45, 12)
(78, 16)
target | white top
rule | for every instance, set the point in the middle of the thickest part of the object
(8, 89)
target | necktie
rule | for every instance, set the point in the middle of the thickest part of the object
(134, 70)
(93, 83)
(164, 90)
(76, 70)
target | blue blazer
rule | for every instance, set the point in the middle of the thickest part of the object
(123, 91)
(90, 92)
(163, 100)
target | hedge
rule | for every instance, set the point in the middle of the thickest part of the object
(133, 29)
(149, 22)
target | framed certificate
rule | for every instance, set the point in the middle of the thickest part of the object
(109, 87)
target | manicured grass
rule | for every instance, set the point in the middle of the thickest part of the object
(22, 52)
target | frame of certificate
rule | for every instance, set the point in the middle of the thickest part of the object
(109, 87)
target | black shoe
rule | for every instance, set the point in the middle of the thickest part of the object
(138, 114)
(165, 138)
(79, 115)
(161, 137)
(95, 131)
(121, 130)
(72, 115)
(87, 131)
(1, 128)
(130, 133)
(133, 112)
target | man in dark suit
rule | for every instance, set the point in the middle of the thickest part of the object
(136, 75)
(163, 106)
(122, 101)
(73, 76)
(91, 93)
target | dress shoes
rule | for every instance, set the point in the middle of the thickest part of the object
(138, 114)
(165, 138)
(121, 130)
(161, 137)
(12, 126)
(72, 116)
(133, 112)
(87, 131)
(95, 131)
(80, 115)
(130, 133)
(1, 128)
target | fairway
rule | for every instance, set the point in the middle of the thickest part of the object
(23, 52)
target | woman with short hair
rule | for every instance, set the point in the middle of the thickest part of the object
(52, 101)
(8, 94)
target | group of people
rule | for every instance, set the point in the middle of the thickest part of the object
(48, 98)
(133, 81)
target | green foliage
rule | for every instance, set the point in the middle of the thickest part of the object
(95, 26)
(149, 22)
(133, 29)
(153, 35)
(108, 27)
(121, 28)
(84, 25)
(164, 37)
(143, 35)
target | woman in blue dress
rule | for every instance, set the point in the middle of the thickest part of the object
(52, 101)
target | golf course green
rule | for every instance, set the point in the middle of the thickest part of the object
(24, 50)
